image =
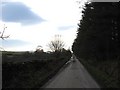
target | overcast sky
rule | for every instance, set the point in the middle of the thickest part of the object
(35, 22)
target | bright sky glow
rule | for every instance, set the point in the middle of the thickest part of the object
(33, 23)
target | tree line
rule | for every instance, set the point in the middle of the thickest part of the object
(98, 36)
(97, 44)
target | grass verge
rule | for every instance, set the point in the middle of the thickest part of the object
(103, 79)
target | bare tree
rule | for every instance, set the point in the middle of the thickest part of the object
(2, 36)
(57, 44)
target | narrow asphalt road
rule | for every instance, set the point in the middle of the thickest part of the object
(72, 76)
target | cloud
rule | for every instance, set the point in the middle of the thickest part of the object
(61, 18)
(65, 27)
(14, 43)
(19, 13)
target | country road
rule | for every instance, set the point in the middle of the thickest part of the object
(72, 76)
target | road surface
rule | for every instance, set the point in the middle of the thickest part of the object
(72, 76)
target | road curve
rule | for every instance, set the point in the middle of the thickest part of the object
(73, 76)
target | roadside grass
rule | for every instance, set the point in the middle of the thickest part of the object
(102, 77)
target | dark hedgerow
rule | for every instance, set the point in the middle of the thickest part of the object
(31, 73)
